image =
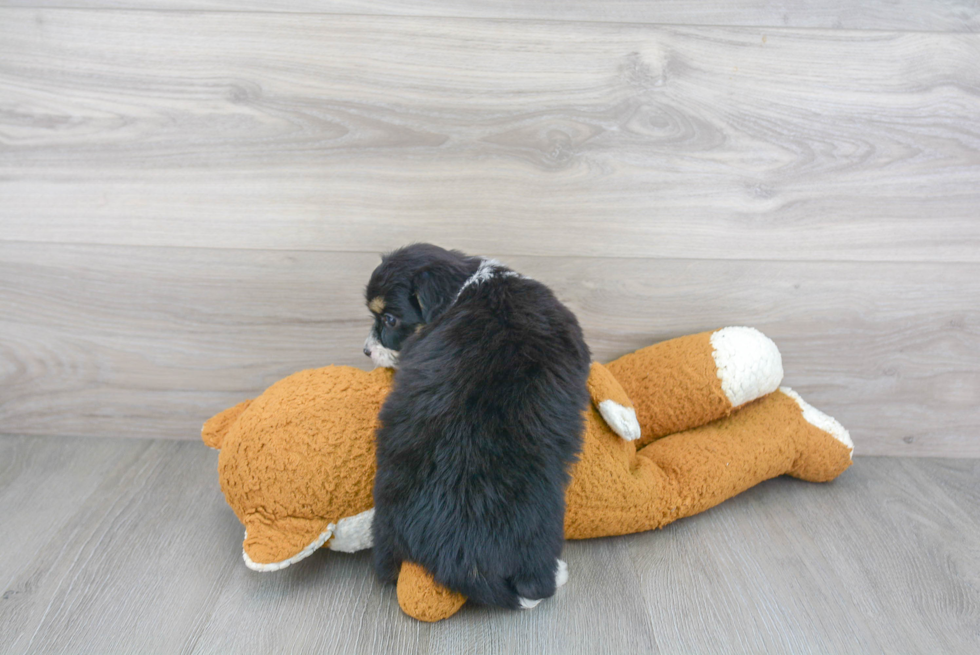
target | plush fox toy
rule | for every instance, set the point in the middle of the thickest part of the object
(663, 440)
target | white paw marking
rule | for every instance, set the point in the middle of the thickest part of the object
(529, 604)
(749, 364)
(621, 419)
(561, 577)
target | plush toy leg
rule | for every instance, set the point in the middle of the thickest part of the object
(690, 381)
(776, 435)
(618, 490)
(609, 397)
(422, 598)
(817, 462)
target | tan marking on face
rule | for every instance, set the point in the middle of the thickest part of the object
(418, 328)
(377, 305)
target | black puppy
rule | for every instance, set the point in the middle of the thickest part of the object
(484, 418)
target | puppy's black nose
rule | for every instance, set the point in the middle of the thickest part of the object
(367, 351)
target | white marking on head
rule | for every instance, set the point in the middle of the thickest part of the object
(487, 269)
(561, 577)
(381, 356)
(483, 273)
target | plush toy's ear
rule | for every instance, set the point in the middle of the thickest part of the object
(215, 428)
(272, 546)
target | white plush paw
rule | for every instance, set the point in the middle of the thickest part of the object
(621, 419)
(353, 533)
(825, 422)
(749, 364)
(561, 576)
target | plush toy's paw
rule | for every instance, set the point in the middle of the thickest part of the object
(621, 419)
(825, 422)
(612, 402)
(825, 447)
(748, 362)
(352, 533)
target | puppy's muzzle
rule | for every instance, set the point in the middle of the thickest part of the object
(381, 356)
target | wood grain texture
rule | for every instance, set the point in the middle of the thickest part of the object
(931, 15)
(49, 483)
(353, 133)
(150, 342)
(147, 558)
(135, 568)
(884, 542)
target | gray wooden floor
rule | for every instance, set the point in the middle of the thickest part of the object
(124, 545)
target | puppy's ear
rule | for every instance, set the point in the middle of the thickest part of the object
(433, 292)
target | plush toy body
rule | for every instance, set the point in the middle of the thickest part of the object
(662, 442)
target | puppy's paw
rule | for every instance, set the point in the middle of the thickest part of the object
(561, 576)
(621, 419)
(527, 604)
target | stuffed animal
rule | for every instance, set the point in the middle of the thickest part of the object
(662, 441)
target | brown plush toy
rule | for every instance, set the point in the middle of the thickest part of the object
(662, 442)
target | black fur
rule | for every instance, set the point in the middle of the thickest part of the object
(416, 283)
(484, 418)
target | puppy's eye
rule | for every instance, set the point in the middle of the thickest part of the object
(390, 320)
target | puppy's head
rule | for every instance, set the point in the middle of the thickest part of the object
(411, 287)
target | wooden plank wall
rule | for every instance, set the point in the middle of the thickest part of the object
(193, 192)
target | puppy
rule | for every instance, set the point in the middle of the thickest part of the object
(484, 418)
